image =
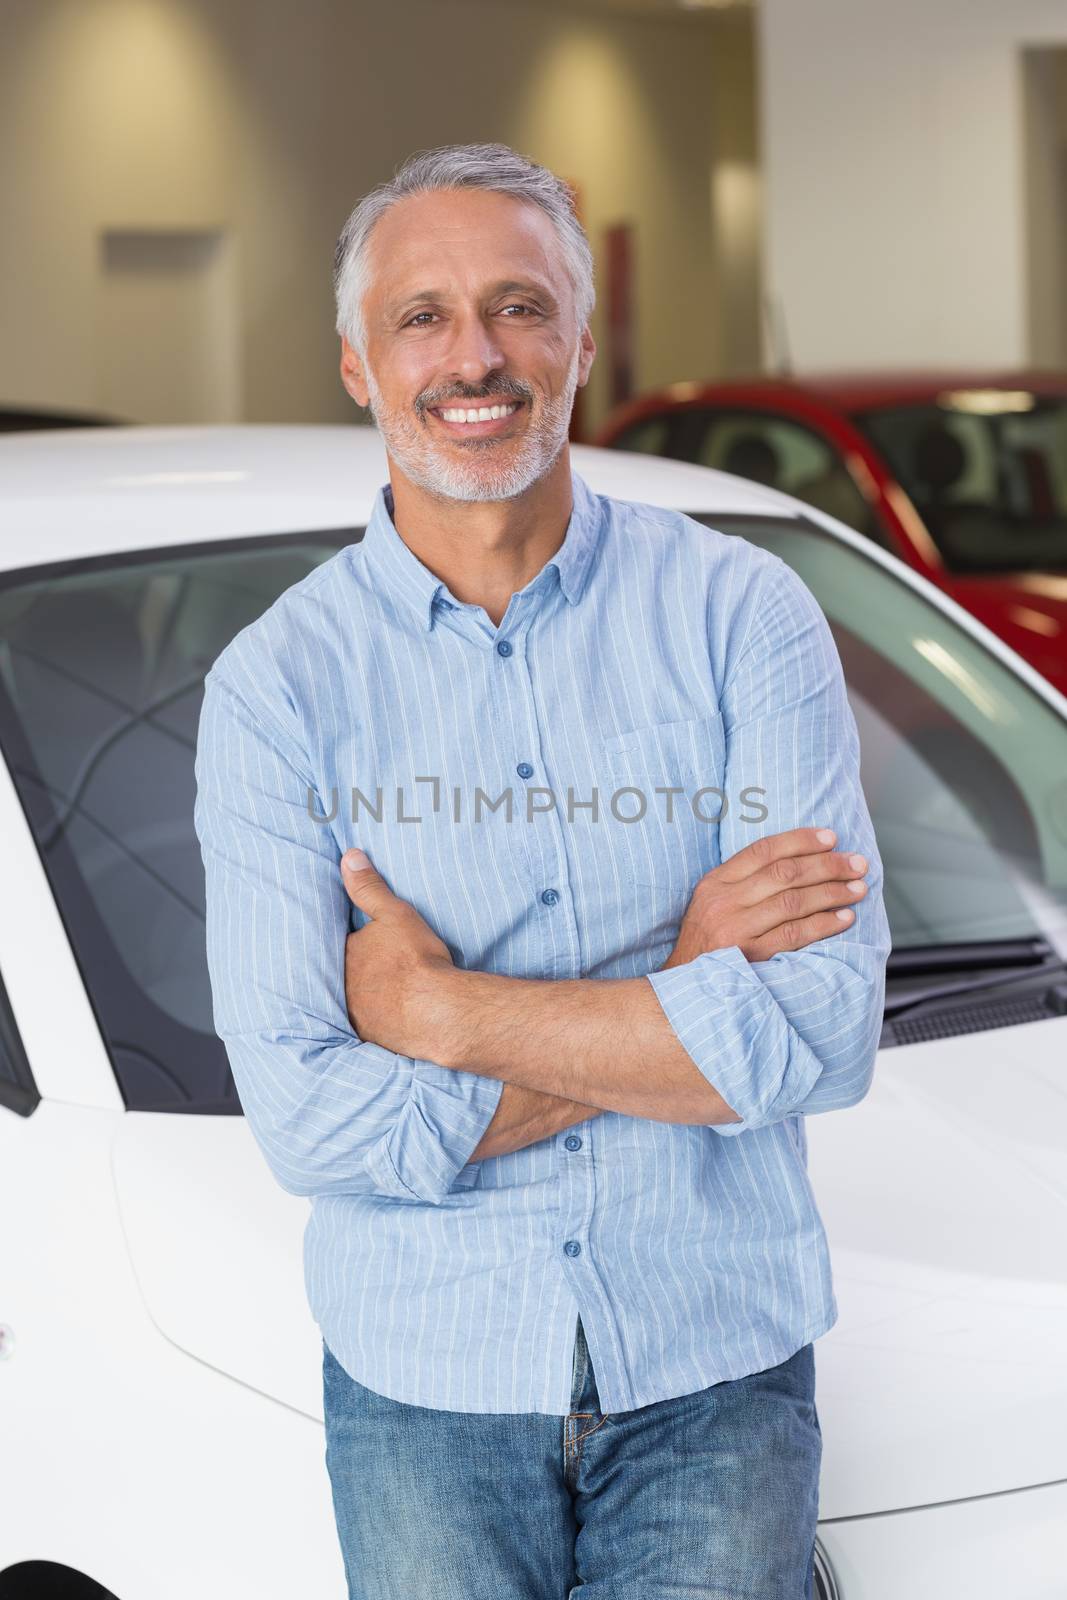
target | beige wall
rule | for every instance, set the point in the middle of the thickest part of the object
(894, 140)
(267, 121)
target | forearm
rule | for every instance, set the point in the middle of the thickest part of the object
(598, 1042)
(526, 1116)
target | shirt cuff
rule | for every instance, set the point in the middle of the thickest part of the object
(736, 1034)
(426, 1153)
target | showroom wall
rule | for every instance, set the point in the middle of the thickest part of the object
(897, 191)
(175, 173)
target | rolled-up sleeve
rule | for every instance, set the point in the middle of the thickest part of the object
(331, 1112)
(798, 1033)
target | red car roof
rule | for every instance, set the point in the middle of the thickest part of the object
(862, 391)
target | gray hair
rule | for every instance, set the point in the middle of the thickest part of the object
(459, 166)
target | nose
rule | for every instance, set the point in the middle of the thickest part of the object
(475, 349)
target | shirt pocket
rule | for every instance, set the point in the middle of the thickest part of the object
(669, 840)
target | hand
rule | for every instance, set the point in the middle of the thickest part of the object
(778, 893)
(396, 968)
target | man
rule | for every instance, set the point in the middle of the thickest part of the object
(548, 1097)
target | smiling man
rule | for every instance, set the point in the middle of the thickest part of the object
(540, 1053)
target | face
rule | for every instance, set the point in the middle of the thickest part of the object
(473, 349)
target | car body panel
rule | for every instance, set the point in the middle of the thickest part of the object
(217, 1248)
(944, 1197)
(1002, 1547)
(123, 1458)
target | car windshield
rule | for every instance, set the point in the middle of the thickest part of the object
(963, 765)
(102, 665)
(101, 680)
(987, 471)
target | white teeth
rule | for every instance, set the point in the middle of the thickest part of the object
(479, 414)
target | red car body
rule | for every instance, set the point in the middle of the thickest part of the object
(963, 475)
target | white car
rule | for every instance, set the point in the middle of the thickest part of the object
(161, 1423)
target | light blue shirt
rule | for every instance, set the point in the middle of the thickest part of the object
(649, 654)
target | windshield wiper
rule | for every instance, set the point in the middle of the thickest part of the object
(1004, 961)
(919, 959)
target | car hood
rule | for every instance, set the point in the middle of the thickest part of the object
(1029, 612)
(944, 1195)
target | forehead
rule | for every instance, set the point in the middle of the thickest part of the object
(462, 236)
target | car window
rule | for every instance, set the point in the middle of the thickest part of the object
(963, 765)
(648, 437)
(987, 472)
(782, 454)
(18, 1092)
(101, 681)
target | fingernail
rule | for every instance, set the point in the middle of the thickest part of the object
(858, 863)
(857, 886)
(355, 860)
(826, 835)
(844, 915)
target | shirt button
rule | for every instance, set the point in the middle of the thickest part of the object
(573, 1142)
(524, 769)
(550, 897)
(572, 1247)
(503, 648)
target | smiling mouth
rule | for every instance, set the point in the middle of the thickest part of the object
(477, 419)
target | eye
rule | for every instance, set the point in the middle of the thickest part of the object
(414, 321)
(518, 306)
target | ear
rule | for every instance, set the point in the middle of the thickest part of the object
(353, 374)
(585, 360)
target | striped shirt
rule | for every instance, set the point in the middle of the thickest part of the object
(546, 793)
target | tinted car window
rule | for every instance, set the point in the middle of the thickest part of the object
(650, 436)
(101, 682)
(987, 471)
(782, 454)
(964, 766)
(18, 1092)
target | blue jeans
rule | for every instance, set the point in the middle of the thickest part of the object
(709, 1496)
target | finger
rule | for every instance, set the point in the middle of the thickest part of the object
(798, 874)
(364, 884)
(776, 847)
(792, 905)
(796, 935)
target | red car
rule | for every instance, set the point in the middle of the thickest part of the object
(963, 475)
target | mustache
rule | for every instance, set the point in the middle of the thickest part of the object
(493, 389)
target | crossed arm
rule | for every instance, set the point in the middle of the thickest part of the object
(494, 1063)
(584, 1045)
(565, 1049)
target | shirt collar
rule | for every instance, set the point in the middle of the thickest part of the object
(399, 569)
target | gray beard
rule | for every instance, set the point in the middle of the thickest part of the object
(423, 463)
